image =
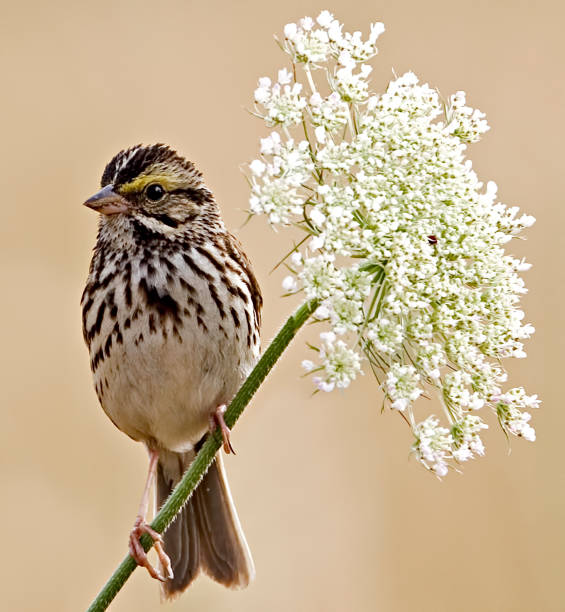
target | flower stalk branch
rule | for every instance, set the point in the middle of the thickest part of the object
(205, 456)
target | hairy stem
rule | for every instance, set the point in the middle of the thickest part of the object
(204, 458)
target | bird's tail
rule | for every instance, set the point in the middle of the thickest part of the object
(206, 534)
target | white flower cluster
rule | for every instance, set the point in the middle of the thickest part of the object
(404, 245)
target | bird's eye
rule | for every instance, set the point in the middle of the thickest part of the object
(154, 192)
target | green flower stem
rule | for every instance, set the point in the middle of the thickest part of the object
(204, 458)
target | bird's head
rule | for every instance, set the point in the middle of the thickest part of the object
(154, 185)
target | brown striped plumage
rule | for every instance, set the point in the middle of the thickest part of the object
(171, 317)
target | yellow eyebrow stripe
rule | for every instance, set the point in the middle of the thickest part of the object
(138, 184)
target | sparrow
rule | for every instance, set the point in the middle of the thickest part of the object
(171, 315)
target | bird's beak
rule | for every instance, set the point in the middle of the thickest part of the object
(107, 201)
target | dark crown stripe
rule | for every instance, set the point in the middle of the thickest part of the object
(139, 159)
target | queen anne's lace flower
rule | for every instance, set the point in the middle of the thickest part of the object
(404, 247)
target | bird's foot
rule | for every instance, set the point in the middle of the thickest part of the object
(140, 556)
(217, 420)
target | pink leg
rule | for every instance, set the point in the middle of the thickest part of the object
(217, 420)
(140, 527)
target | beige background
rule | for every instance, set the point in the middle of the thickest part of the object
(337, 516)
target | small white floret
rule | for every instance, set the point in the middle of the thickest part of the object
(440, 469)
(322, 312)
(320, 133)
(376, 30)
(325, 19)
(526, 220)
(317, 217)
(290, 31)
(284, 76)
(257, 167)
(289, 284)
(327, 337)
(308, 365)
(323, 385)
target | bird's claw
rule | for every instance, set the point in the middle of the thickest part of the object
(217, 420)
(139, 555)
